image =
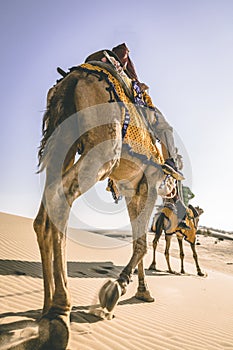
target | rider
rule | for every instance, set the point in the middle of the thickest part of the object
(172, 158)
(165, 132)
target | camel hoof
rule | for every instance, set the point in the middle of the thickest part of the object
(152, 267)
(109, 294)
(202, 274)
(172, 272)
(53, 333)
(145, 296)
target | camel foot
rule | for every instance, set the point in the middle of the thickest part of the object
(145, 296)
(109, 294)
(152, 267)
(53, 333)
(202, 274)
(174, 272)
(101, 313)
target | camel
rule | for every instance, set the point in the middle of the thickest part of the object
(85, 115)
(167, 222)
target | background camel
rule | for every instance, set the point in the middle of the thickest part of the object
(169, 224)
(85, 114)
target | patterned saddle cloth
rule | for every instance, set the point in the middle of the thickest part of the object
(173, 221)
(136, 137)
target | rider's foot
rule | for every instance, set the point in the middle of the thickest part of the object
(170, 168)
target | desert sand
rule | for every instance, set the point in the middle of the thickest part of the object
(189, 313)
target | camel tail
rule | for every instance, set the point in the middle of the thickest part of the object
(56, 137)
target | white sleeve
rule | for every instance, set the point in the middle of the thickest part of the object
(164, 132)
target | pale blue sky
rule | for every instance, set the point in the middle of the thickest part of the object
(182, 49)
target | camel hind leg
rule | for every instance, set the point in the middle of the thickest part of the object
(158, 232)
(44, 238)
(50, 226)
(54, 324)
(142, 292)
(140, 207)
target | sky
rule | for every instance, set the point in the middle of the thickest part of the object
(182, 49)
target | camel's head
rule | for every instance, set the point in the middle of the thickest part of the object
(199, 210)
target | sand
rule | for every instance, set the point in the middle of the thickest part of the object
(190, 312)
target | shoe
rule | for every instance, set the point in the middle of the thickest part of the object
(170, 168)
(184, 226)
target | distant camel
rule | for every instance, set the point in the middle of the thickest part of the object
(167, 221)
(88, 113)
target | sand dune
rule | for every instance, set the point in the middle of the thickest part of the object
(190, 312)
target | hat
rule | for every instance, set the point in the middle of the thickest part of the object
(122, 52)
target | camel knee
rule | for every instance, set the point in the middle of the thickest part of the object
(39, 220)
(42, 228)
(140, 248)
(155, 242)
(36, 226)
(142, 251)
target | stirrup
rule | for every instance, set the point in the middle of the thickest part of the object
(167, 169)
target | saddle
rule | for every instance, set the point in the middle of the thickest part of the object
(119, 53)
(95, 60)
(99, 55)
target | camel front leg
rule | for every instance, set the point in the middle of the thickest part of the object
(158, 232)
(167, 248)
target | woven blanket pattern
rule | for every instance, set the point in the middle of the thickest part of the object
(137, 136)
(172, 223)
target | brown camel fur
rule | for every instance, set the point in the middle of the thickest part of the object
(161, 223)
(79, 118)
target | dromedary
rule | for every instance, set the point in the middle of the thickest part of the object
(167, 221)
(87, 113)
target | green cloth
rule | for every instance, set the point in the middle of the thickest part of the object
(187, 195)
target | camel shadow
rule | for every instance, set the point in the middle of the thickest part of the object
(75, 269)
(94, 269)
(21, 330)
(25, 334)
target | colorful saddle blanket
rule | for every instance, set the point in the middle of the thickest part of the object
(171, 226)
(136, 136)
